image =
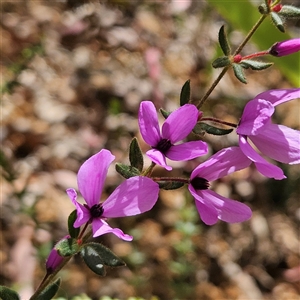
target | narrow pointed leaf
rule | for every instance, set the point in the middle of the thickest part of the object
(164, 113)
(170, 185)
(67, 247)
(185, 94)
(127, 171)
(290, 12)
(203, 127)
(74, 232)
(49, 292)
(254, 64)
(8, 294)
(223, 41)
(238, 72)
(278, 22)
(135, 155)
(221, 62)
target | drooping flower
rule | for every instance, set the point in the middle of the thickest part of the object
(176, 127)
(278, 142)
(285, 47)
(210, 205)
(134, 196)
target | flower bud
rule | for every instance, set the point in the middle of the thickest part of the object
(285, 47)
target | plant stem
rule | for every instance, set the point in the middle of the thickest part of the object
(237, 51)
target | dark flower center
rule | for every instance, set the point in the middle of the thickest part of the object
(96, 211)
(163, 145)
(200, 183)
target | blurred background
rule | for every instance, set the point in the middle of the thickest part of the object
(73, 75)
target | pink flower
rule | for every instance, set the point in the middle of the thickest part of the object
(134, 196)
(176, 127)
(285, 47)
(279, 142)
(212, 206)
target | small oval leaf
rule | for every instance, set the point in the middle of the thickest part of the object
(135, 155)
(164, 113)
(49, 292)
(221, 62)
(93, 260)
(185, 94)
(238, 72)
(127, 171)
(8, 294)
(290, 12)
(203, 127)
(74, 232)
(278, 22)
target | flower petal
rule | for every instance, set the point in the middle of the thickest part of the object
(277, 97)
(263, 166)
(100, 227)
(222, 163)
(207, 212)
(187, 151)
(92, 174)
(158, 158)
(229, 210)
(83, 213)
(133, 196)
(256, 114)
(280, 143)
(148, 123)
(180, 123)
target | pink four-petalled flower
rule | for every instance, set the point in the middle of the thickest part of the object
(210, 205)
(278, 142)
(134, 196)
(176, 127)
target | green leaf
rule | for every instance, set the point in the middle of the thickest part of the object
(8, 294)
(239, 73)
(203, 127)
(170, 185)
(74, 232)
(185, 94)
(254, 64)
(67, 247)
(49, 292)
(135, 155)
(263, 9)
(290, 12)
(97, 256)
(223, 41)
(127, 171)
(164, 113)
(221, 62)
(264, 37)
(278, 22)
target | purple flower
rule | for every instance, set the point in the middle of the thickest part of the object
(212, 206)
(134, 196)
(285, 47)
(176, 127)
(279, 142)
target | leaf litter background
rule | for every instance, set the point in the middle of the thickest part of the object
(73, 75)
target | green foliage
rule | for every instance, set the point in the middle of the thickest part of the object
(8, 294)
(127, 171)
(223, 41)
(202, 128)
(264, 37)
(136, 155)
(185, 94)
(49, 292)
(239, 73)
(74, 232)
(170, 185)
(67, 247)
(96, 256)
